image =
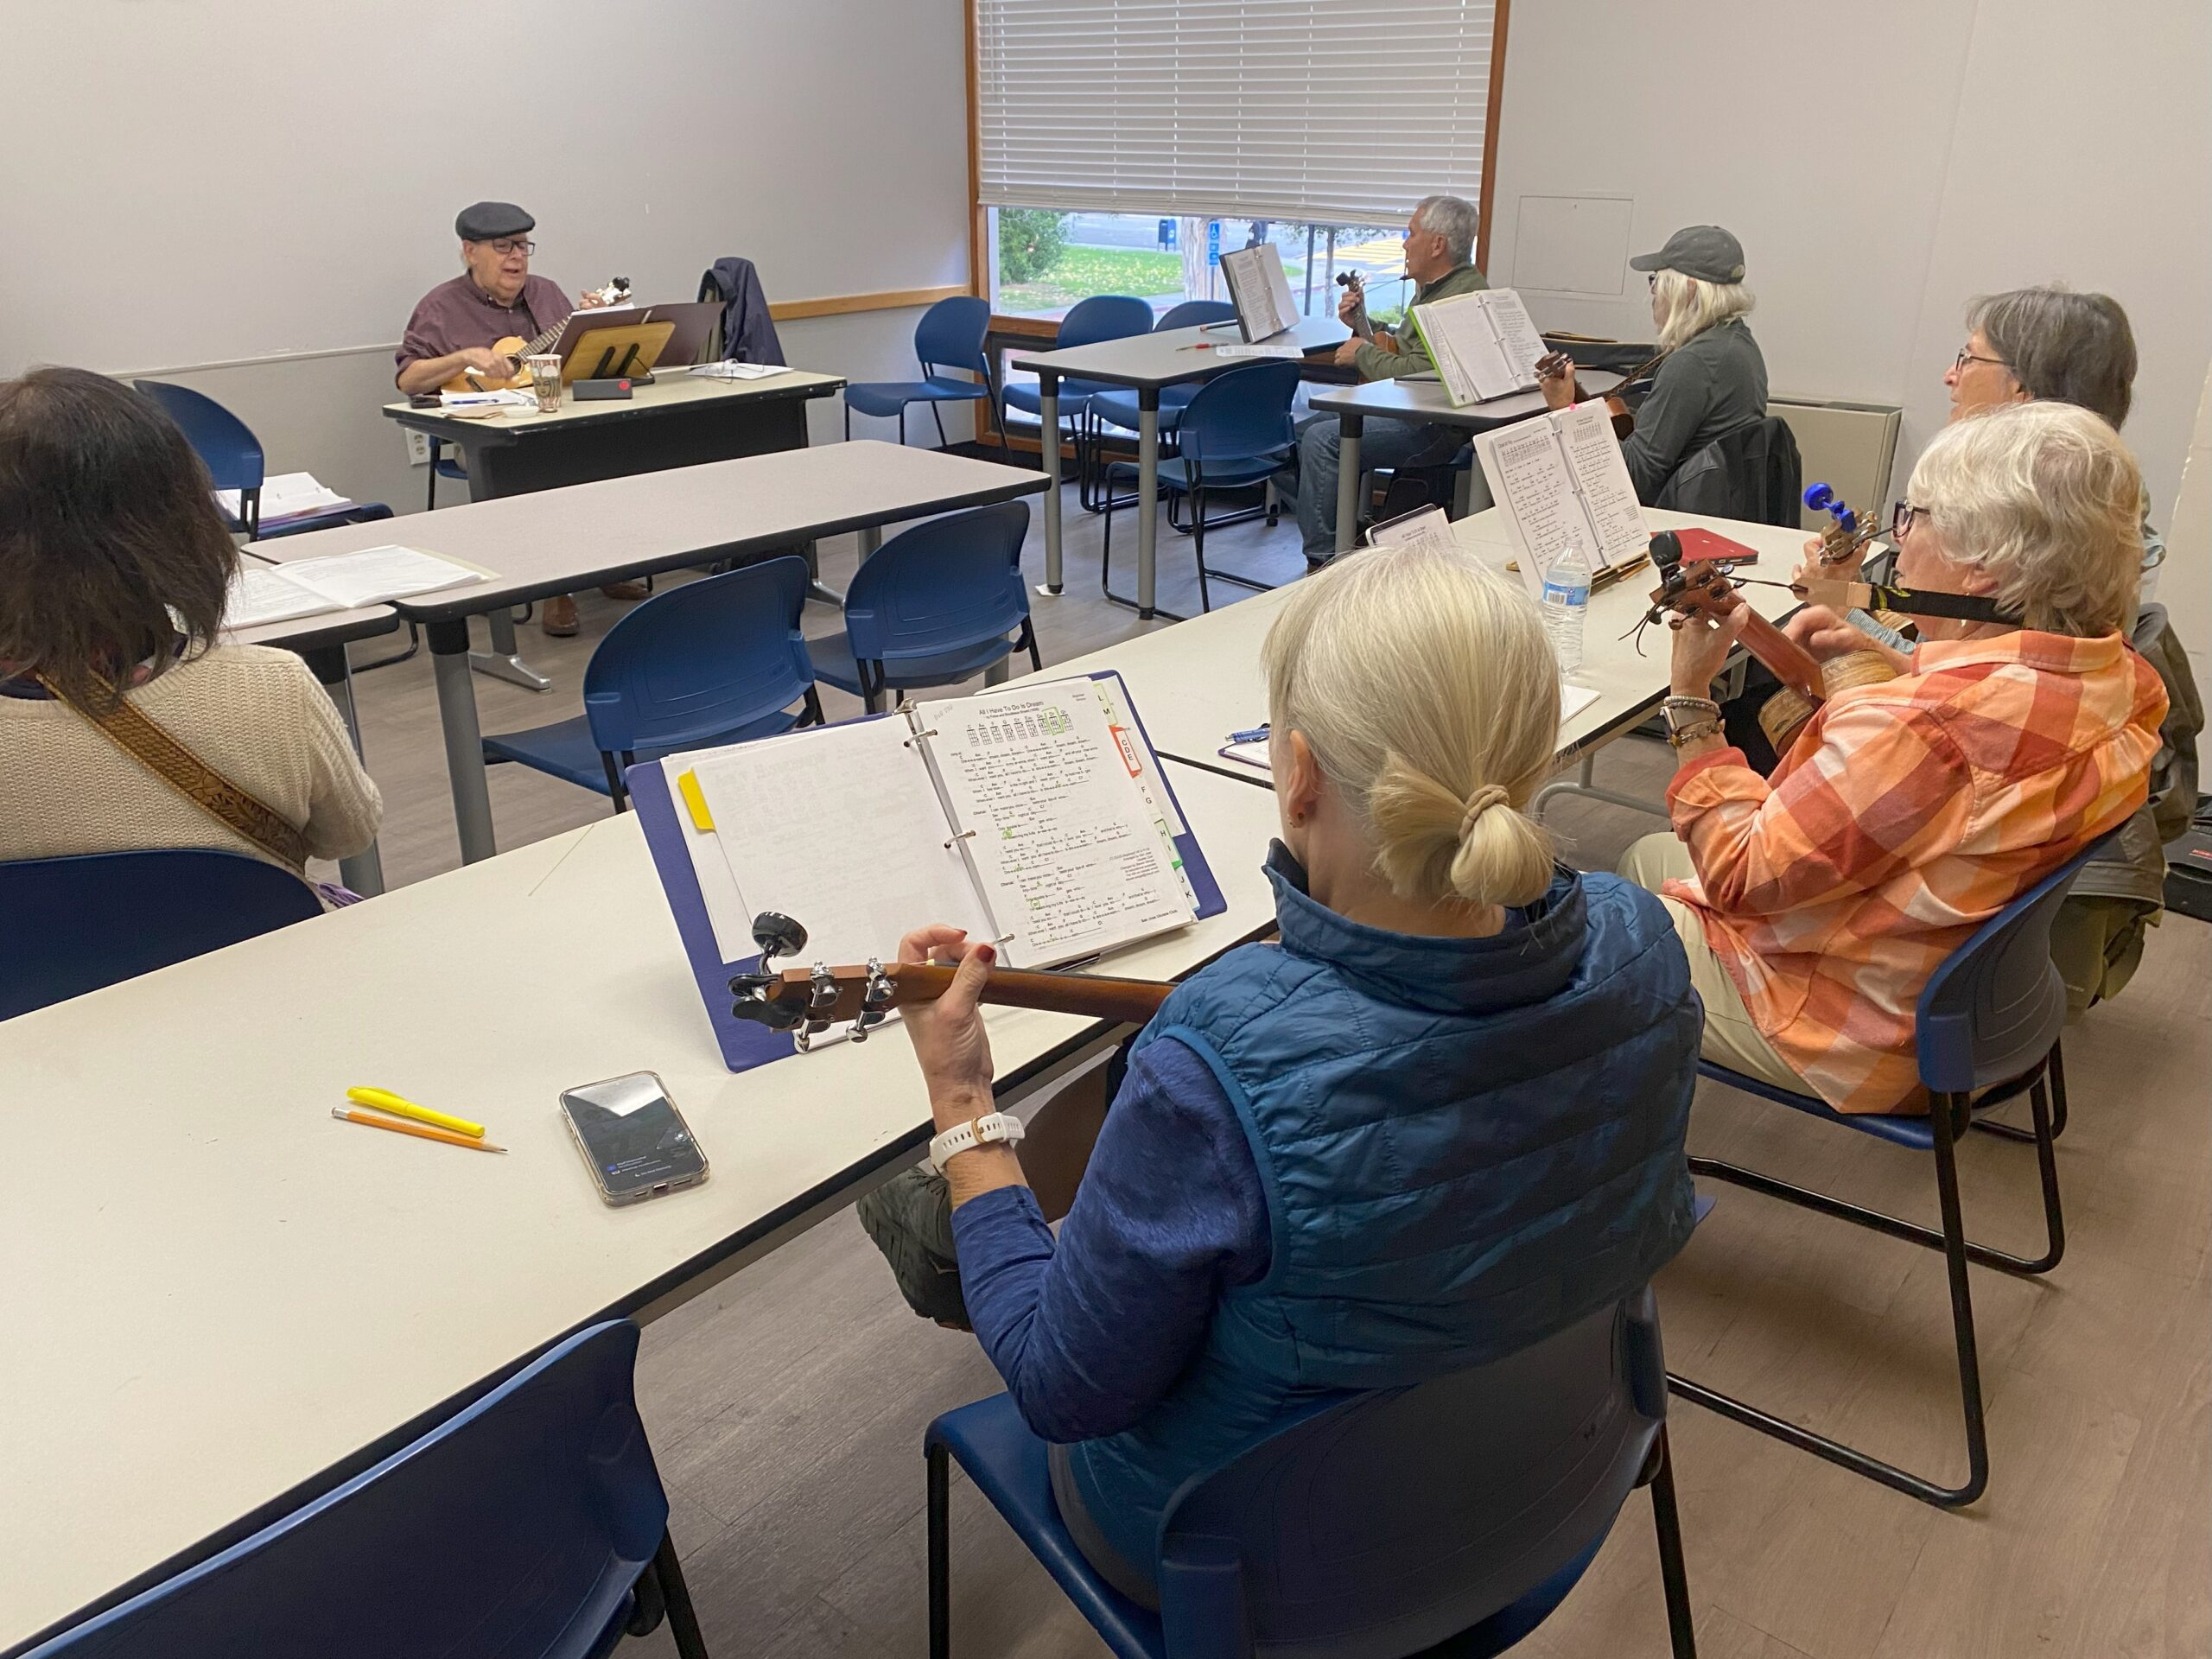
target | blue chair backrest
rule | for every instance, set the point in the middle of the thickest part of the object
(226, 444)
(1103, 316)
(1240, 415)
(944, 584)
(951, 334)
(1381, 1526)
(1995, 1005)
(516, 1528)
(74, 924)
(1194, 313)
(700, 659)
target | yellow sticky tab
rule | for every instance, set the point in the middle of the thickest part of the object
(688, 784)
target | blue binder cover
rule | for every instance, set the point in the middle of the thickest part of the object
(744, 1043)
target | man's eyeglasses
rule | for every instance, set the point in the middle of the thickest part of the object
(507, 245)
(1966, 355)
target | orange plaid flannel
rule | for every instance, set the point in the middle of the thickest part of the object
(1906, 815)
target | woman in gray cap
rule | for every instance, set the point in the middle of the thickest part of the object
(1712, 379)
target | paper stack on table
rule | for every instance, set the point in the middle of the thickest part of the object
(286, 498)
(336, 582)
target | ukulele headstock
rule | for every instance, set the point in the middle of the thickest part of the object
(1845, 533)
(807, 1001)
(1693, 567)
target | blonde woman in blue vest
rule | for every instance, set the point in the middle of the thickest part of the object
(1440, 1120)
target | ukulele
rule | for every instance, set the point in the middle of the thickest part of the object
(518, 351)
(807, 1001)
(1552, 364)
(1695, 567)
(1845, 534)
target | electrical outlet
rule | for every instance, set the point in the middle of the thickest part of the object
(418, 448)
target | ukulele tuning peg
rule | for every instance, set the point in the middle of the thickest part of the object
(1818, 497)
(777, 935)
(876, 998)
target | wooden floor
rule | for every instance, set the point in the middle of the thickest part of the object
(786, 1407)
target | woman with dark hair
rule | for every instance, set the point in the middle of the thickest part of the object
(114, 571)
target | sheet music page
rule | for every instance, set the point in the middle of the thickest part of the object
(260, 592)
(1429, 527)
(1608, 492)
(1462, 338)
(1529, 477)
(1072, 856)
(375, 575)
(1258, 305)
(838, 826)
(1519, 341)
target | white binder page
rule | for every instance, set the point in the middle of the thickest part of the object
(1528, 477)
(374, 574)
(1463, 340)
(1071, 856)
(260, 592)
(1260, 289)
(1608, 492)
(1519, 342)
(839, 828)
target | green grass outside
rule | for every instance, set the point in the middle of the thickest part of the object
(1083, 272)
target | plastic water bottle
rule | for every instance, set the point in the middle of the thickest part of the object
(1567, 602)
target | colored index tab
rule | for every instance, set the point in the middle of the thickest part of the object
(687, 784)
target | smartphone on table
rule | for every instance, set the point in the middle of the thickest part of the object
(633, 1138)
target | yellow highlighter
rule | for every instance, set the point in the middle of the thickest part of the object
(384, 1101)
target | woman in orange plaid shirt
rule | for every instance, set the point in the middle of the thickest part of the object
(1815, 905)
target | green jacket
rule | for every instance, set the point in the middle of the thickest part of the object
(1412, 357)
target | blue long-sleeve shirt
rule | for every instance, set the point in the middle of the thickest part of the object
(1092, 1334)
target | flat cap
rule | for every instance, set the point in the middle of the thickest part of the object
(1705, 252)
(483, 220)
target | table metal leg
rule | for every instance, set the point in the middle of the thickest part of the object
(1048, 412)
(1348, 483)
(870, 537)
(504, 661)
(363, 871)
(472, 796)
(1147, 500)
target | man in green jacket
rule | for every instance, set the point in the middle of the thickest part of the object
(1440, 247)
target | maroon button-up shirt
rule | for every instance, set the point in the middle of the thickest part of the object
(457, 315)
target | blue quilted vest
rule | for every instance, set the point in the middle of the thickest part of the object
(1466, 1145)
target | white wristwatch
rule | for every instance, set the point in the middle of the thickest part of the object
(984, 1131)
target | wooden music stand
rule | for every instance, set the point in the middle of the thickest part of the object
(611, 353)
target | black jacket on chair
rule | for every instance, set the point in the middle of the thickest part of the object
(1751, 473)
(749, 333)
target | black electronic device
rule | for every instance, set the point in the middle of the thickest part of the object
(588, 391)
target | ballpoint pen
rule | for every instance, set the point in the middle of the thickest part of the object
(1257, 734)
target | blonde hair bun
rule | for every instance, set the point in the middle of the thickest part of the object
(1427, 687)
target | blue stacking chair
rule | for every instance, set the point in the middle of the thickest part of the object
(1117, 407)
(932, 606)
(531, 1525)
(1102, 317)
(715, 661)
(1236, 433)
(74, 924)
(227, 448)
(1462, 1511)
(1986, 1028)
(948, 336)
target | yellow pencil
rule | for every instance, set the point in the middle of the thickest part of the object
(416, 1130)
(383, 1100)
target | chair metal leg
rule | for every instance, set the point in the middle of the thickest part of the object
(682, 1618)
(1106, 557)
(943, 443)
(414, 645)
(1198, 541)
(1957, 1253)
(848, 422)
(902, 426)
(2056, 1071)
(940, 1530)
(1673, 1578)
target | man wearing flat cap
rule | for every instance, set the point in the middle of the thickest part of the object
(457, 322)
(1712, 380)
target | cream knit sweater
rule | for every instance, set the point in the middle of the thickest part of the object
(254, 713)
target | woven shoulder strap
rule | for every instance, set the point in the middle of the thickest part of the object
(154, 747)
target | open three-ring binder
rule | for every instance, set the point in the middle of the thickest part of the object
(1035, 816)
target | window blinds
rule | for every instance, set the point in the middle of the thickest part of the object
(1321, 111)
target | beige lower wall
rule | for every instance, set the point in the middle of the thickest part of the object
(322, 413)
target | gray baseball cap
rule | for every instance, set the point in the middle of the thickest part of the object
(1705, 252)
